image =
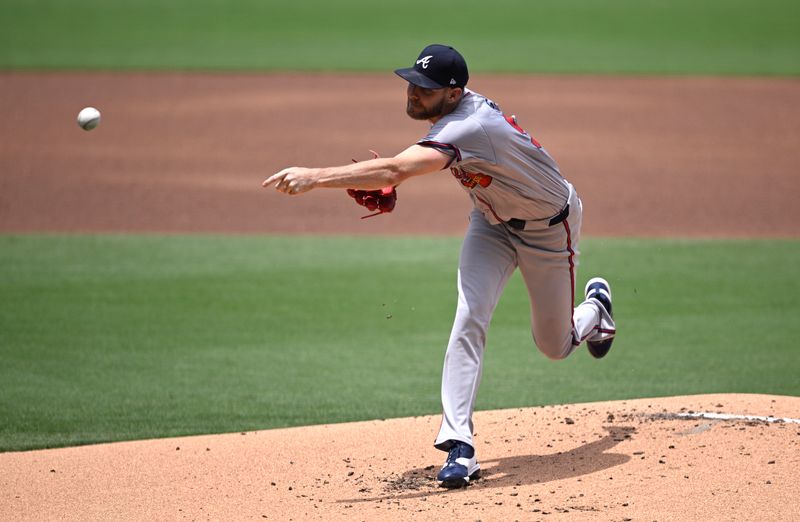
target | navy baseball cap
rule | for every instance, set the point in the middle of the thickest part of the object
(438, 66)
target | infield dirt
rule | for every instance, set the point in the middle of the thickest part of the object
(187, 152)
(710, 157)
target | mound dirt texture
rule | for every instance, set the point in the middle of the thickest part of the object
(628, 460)
(186, 153)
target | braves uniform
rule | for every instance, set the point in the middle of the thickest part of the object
(525, 215)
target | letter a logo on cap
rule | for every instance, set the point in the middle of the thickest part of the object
(437, 66)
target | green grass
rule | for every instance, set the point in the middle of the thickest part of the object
(587, 36)
(124, 337)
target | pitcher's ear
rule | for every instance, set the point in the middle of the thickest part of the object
(455, 93)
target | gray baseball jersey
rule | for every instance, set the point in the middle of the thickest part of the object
(507, 173)
(526, 216)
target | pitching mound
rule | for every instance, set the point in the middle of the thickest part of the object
(646, 459)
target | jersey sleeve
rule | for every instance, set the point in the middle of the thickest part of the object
(462, 140)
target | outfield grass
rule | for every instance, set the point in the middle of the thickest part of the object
(613, 36)
(126, 337)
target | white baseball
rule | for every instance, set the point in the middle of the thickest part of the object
(89, 118)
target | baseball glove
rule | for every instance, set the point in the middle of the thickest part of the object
(382, 200)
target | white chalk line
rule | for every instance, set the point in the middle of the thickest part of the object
(728, 416)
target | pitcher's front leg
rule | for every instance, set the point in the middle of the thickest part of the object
(487, 261)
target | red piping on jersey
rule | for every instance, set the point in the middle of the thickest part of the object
(575, 342)
(446, 146)
(498, 218)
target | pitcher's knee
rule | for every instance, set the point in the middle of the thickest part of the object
(555, 348)
(476, 315)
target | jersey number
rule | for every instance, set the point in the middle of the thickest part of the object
(513, 122)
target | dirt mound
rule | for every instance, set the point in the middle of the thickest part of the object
(623, 460)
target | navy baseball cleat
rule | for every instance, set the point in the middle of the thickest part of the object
(460, 467)
(598, 288)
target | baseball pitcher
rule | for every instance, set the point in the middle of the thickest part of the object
(525, 215)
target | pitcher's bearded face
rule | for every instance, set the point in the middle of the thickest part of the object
(429, 104)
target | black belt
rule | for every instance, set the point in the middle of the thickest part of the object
(519, 224)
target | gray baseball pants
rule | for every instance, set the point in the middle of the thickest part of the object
(547, 257)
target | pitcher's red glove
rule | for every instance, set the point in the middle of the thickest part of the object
(382, 200)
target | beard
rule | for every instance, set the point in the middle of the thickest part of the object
(418, 112)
